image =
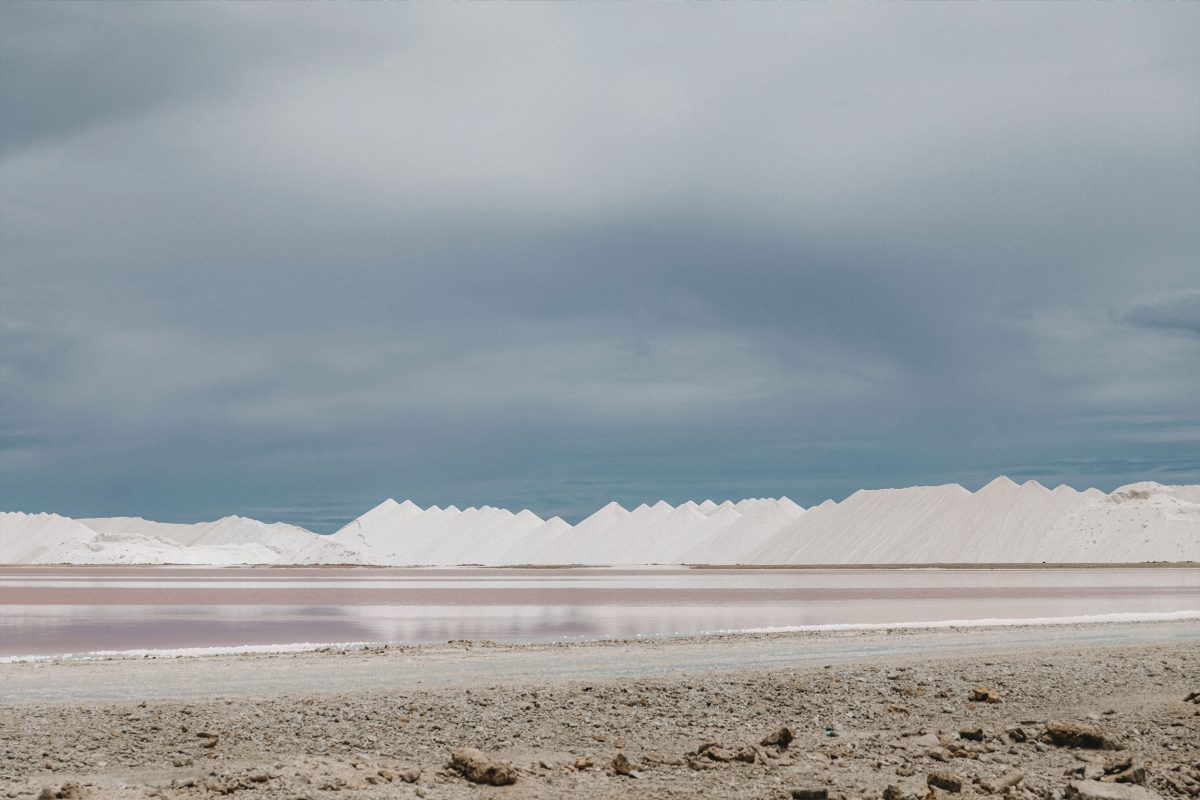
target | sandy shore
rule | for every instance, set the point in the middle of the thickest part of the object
(868, 711)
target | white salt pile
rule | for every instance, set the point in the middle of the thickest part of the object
(51, 539)
(1001, 523)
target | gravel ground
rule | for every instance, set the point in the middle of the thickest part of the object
(1106, 722)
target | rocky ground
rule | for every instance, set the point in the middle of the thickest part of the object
(1112, 723)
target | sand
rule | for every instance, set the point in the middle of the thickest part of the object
(868, 710)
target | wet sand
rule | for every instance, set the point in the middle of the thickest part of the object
(869, 711)
(462, 665)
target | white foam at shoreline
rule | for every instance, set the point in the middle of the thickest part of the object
(989, 622)
(302, 647)
(188, 652)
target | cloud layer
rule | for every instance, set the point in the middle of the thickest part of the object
(287, 261)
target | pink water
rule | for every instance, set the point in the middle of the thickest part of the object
(60, 610)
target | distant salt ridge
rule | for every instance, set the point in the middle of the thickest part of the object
(1003, 522)
(53, 539)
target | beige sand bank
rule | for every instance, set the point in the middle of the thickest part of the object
(868, 711)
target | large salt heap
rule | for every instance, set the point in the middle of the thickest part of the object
(1002, 522)
(574, 545)
(372, 534)
(537, 540)
(30, 538)
(404, 534)
(735, 541)
(1139, 522)
(476, 536)
(665, 534)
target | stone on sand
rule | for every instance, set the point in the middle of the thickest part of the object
(781, 738)
(477, 767)
(1095, 790)
(1079, 734)
(945, 780)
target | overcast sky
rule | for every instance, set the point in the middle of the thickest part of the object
(287, 261)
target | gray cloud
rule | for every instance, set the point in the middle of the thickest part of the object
(296, 260)
(1179, 312)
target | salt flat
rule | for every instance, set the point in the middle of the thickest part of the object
(463, 664)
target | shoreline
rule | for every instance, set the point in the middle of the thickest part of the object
(960, 565)
(462, 664)
(888, 627)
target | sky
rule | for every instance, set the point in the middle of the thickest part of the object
(287, 261)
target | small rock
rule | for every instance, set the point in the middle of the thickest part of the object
(926, 741)
(621, 765)
(1125, 772)
(810, 794)
(1095, 790)
(718, 754)
(781, 738)
(1078, 734)
(1017, 734)
(893, 792)
(478, 767)
(1004, 782)
(1117, 765)
(982, 694)
(1178, 785)
(971, 734)
(945, 780)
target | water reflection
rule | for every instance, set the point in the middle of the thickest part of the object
(76, 610)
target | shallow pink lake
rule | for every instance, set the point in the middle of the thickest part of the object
(73, 610)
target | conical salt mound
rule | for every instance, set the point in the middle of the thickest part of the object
(378, 534)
